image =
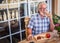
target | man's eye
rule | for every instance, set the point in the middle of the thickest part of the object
(42, 8)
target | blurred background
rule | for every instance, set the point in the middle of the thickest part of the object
(13, 13)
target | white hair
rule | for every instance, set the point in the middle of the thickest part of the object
(39, 4)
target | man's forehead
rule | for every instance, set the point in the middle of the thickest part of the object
(42, 5)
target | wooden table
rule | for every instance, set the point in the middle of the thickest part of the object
(41, 41)
(52, 40)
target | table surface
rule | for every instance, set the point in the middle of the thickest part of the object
(52, 40)
(41, 41)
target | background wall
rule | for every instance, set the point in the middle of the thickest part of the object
(54, 6)
(59, 7)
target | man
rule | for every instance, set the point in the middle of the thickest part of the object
(40, 22)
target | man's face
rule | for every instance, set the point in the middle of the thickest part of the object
(42, 8)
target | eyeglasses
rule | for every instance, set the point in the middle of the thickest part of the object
(42, 8)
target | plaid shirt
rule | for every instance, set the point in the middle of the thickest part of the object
(38, 24)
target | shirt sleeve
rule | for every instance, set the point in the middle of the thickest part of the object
(31, 23)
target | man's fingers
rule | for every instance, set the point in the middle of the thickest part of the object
(29, 37)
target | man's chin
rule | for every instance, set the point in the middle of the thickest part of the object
(43, 15)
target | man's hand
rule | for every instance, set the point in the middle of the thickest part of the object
(29, 37)
(48, 14)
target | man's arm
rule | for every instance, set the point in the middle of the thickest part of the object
(30, 27)
(51, 21)
(51, 24)
(29, 31)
